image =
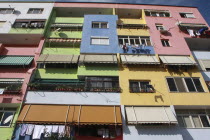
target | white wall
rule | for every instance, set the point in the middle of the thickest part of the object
(21, 10)
(79, 98)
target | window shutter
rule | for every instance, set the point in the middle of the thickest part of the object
(180, 84)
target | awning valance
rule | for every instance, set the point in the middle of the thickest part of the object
(64, 40)
(193, 25)
(150, 115)
(11, 80)
(83, 115)
(139, 59)
(66, 25)
(177, 60)
(46, 58)
(98, 59)
(15, 60)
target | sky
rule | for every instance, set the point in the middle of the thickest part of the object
(202, 5)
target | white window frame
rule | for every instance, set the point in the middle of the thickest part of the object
(140, 38)
(159, 27)
(157, 13)
(190, 115)
(99, 24)
(31, 10)
(164, 41)
(185, 15)
(97, 37)
(6, 9)
(3, 117)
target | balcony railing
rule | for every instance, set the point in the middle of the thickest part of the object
(71, 87)
(12, 89)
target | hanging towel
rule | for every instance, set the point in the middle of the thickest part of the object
(55, 129)
(197, 33)
(30, 129)
(191, 32)
(61, 130)
(202, 30)
(48, 130)
(23, 129)
(17, 132)
(38, 130)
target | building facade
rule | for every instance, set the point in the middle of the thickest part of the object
(92, 71)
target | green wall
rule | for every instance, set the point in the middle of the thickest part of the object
(56, 73)
(98, 70)
(6, 132)
(66, 34)
(64, 51)
(26, 31)
(69, 19)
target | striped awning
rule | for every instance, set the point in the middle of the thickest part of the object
(46, 58)
(139, 59)
(66, 25)
(177, 60)
(64, 40)
(149, 115)
(192, 25)
(98, 59)
(73, 114)
(15, 60)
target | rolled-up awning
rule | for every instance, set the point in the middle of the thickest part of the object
(149, 115)
(177, 60)
(98, 59)
(83, 115)
(66, 25)
(64, 40)
(15, 60)
(139, 59)
(46, 58)
(192, 25)
(4, 80)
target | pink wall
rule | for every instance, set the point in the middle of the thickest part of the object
(20, 73)
(176, 37)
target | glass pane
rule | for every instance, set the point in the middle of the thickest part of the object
(126, 41)
(180, 121)
(187, 121)
(137, 41)
(104, 25)
(132, 41)
(198, 85)
(196, 121)
(134, 86)
(121, 41)
(153, 14)
(95, 25)
(204, 121)
(190, 85)
(163, 42)
(143, 86)
(95, 41)
(171, 84)
(167, 43)
(143, 41)
(104, 41)
(162, 14)
(7, 119)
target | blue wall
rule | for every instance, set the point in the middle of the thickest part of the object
(110, 32)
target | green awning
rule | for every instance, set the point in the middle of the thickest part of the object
(15, 60)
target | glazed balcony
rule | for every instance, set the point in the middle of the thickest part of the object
(11, 88)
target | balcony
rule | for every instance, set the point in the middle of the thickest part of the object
(73, 87)
(11, 89)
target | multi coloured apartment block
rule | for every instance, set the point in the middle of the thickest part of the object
(93, 71)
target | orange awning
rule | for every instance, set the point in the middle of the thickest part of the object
(81, 115)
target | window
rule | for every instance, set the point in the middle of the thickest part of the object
(6, 116)
(29, 24)
(193, 118)
(165, 43)
(35, 11)
(6, 10)
(102, 83)
(134, 40)
(159, 27)
(100, 25)
(2, 23)
(157, 13)
(141, 86)
(179, 84)
(187, 15)
(99, 41)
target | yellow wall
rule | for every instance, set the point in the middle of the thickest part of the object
(134, 21)
(162, 96)
(133, 32)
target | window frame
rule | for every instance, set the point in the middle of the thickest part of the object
(139, 38)
(139, 86)
(33, 9)
(157, 13)
(191, 115)
(99, 37)
(1, 9)
(163, 41)
(159, 26)
(1, 119)
(184, 15)
(100, 24)
(185, 85)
